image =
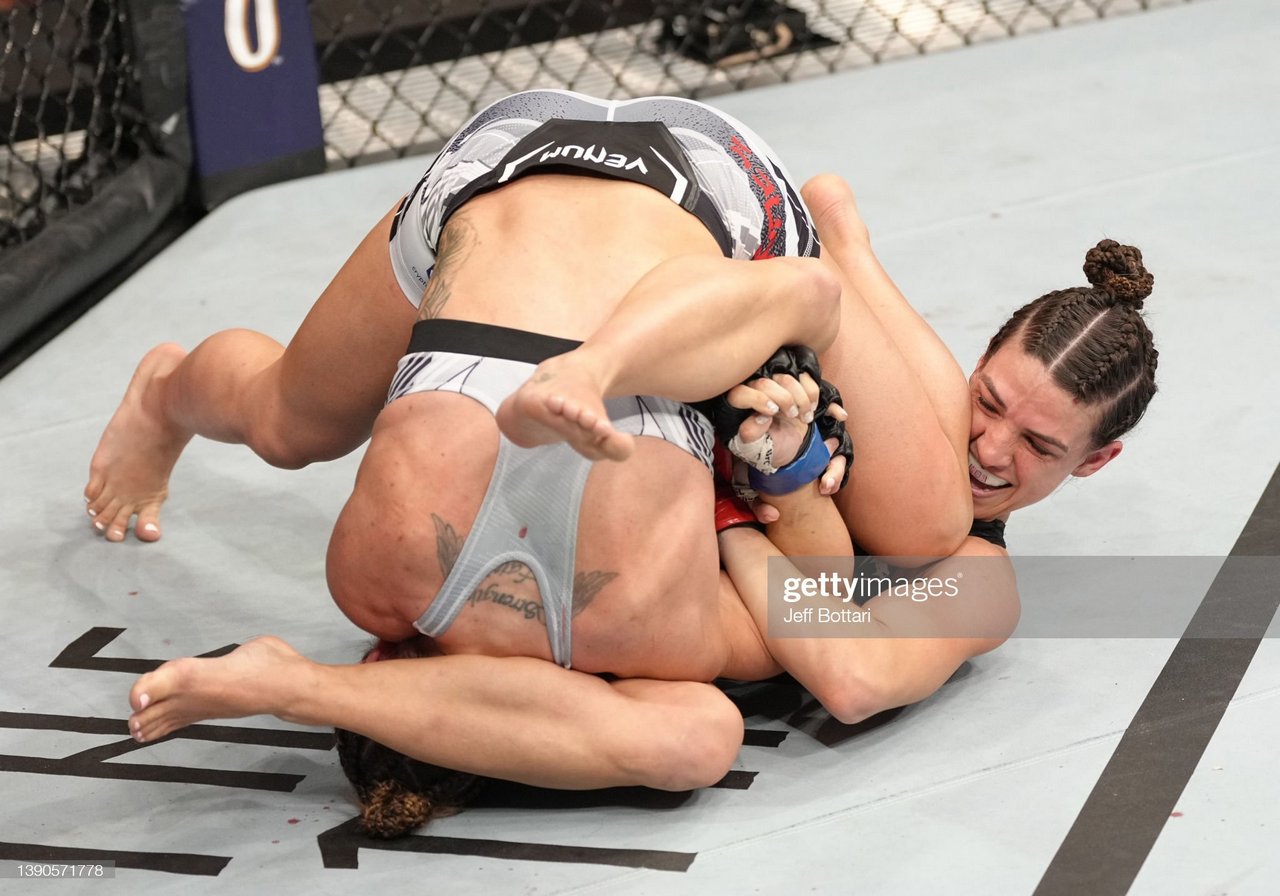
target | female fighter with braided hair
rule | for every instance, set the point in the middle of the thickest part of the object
(1057, 387)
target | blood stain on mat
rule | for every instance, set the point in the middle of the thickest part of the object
(524, 530)
(1175, 814)
(294, 820)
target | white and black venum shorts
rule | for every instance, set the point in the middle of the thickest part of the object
(706, 161)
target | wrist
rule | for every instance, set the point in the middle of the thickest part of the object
(805, 494)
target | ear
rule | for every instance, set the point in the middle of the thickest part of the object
(1097, 459)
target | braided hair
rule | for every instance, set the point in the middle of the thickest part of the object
(1093, 339)
(396, 792)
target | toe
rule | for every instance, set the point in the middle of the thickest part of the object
(96, 507)
(117, 526)
(148, 525)
(149, 725)
(619, 446)
(94, 488)
(155, 687)
(104, 515)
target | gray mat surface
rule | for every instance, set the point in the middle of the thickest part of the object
(984, 175)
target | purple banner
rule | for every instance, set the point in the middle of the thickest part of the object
(253, 87)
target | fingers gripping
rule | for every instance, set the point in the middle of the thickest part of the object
(789, 384)
(831, 426)
(790, 360)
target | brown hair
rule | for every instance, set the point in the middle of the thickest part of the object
(398, 793)
(1094, 340)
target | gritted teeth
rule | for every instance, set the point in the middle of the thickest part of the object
(990, 480)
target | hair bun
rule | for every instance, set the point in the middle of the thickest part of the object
(392, 811)
(1118, 269)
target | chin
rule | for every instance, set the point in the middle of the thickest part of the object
(990, 507)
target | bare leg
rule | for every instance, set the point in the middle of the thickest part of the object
(689, 329)
(516, 718)
(846, 239)
(908, 492)
(315, 400)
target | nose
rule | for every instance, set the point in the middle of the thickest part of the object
(993, 447)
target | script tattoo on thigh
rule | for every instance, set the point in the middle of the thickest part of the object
(456, 241)
(498, 586)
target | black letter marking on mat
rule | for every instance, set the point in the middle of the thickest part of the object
(91, 763)
(1135, 794)
(172, 862)
(82, 653)
(340, 848)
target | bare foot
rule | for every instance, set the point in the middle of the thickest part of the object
(243, 683)
(561, 402)
(129, 472)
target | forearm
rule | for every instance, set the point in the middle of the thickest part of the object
(808, 525)
(528, 720)
(906, 649)
(832, 669)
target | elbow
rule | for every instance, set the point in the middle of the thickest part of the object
(851, 701)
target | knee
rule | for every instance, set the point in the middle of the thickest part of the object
(696, 752)
(811, 297)
(280, 451)
(931, 537)
(947, 523)
(825, 293)
(292, 445)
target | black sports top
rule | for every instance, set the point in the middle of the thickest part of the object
(989, 530)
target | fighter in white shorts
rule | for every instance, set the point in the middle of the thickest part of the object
(705, 161)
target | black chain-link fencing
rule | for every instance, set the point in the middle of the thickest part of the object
(66, 111)
(94, 149)
(399, 76)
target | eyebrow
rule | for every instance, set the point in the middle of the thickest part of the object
(991, 387)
